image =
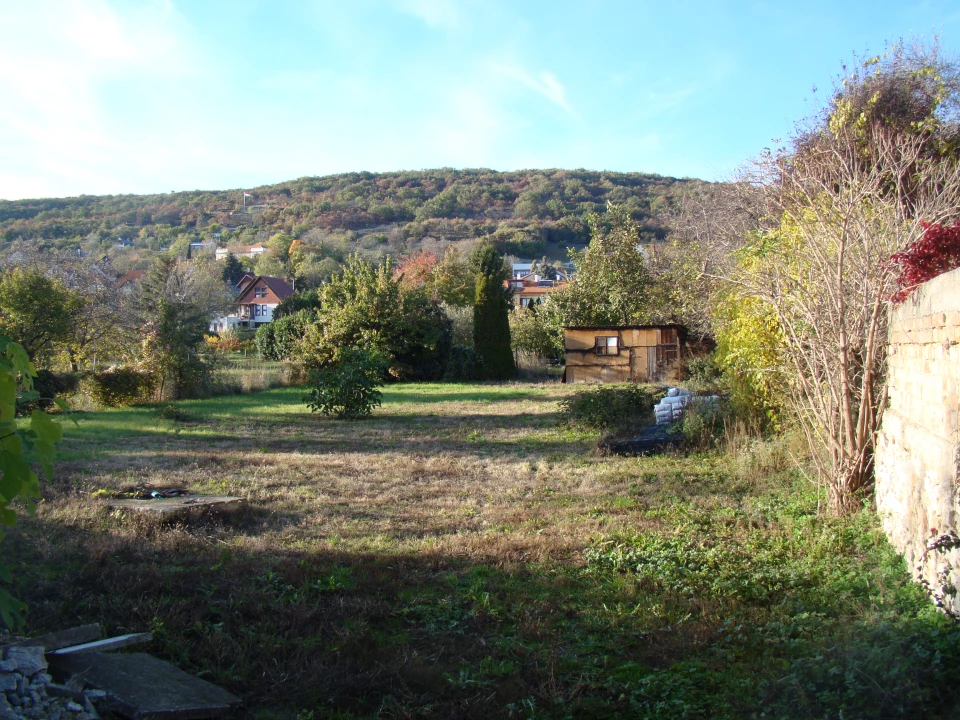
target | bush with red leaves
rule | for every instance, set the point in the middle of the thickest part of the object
(935, 253)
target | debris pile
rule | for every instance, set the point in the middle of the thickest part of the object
(29, 690)
(73, 675)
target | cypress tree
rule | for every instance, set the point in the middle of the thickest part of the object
(491, 324)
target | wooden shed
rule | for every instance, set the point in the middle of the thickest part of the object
(608, 354)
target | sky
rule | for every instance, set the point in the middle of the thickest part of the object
(114, 97)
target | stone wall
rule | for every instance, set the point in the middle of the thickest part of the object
(917, 449)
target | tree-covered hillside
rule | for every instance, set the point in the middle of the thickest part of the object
(529, 212)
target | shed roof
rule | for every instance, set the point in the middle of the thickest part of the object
(673, 326)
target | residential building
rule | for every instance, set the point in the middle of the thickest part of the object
(206, 245)
(240, 251)
(127, 282)
(533, 289)
(258, 298)
(521, 269)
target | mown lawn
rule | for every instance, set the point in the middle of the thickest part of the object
(463, 554)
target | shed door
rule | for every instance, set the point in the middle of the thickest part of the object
(651, 364)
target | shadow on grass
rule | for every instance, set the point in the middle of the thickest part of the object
(467, 395)
(388, 634)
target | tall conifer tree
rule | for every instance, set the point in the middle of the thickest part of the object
(491, 323)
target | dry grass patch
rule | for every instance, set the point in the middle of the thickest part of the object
(459, 554)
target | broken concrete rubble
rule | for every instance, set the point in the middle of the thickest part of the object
(90, 681)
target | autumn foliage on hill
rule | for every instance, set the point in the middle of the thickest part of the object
(937, 251)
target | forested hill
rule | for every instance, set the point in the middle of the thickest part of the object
(528, 212)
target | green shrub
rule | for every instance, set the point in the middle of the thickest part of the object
(120, 386)
(349, 387)
(705, 376)
(266, 341)
(704, 425)
(48, 386)
(287, 334)
(464, 365)
(610, 406)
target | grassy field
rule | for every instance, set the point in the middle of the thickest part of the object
(464, 554)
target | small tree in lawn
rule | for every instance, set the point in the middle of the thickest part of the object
(491, 322)
(350, 386)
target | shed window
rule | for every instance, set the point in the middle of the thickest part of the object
(607, 345)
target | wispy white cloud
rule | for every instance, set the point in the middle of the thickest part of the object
(435, 13)
(544, 83)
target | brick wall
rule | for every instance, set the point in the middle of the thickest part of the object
(917, 449)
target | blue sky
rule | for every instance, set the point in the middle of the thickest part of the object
(131, 97)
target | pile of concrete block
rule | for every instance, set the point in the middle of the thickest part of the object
(671, 408)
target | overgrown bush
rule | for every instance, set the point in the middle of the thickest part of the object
(266, 341)
(279, 340)
(226, 342)
(349, 387)
(704, 375)
(365, 306)
(464, 365)
(48, 386)
(120, 386)
(703, 425)
(610, 406)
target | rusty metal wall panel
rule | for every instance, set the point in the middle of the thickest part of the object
(591, 358)
(579, 339)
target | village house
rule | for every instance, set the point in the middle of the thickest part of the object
(203, 245)
(611, 354)
(532, 289)
(258, 298)
(240, 251)
(127, 282)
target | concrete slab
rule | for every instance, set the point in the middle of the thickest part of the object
(142, 687)
(169, 506)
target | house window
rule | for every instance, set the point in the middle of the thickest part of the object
(259, 292)
(607, 345)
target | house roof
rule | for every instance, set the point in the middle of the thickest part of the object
(279, 286)
(129, 277)
(245, 280)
